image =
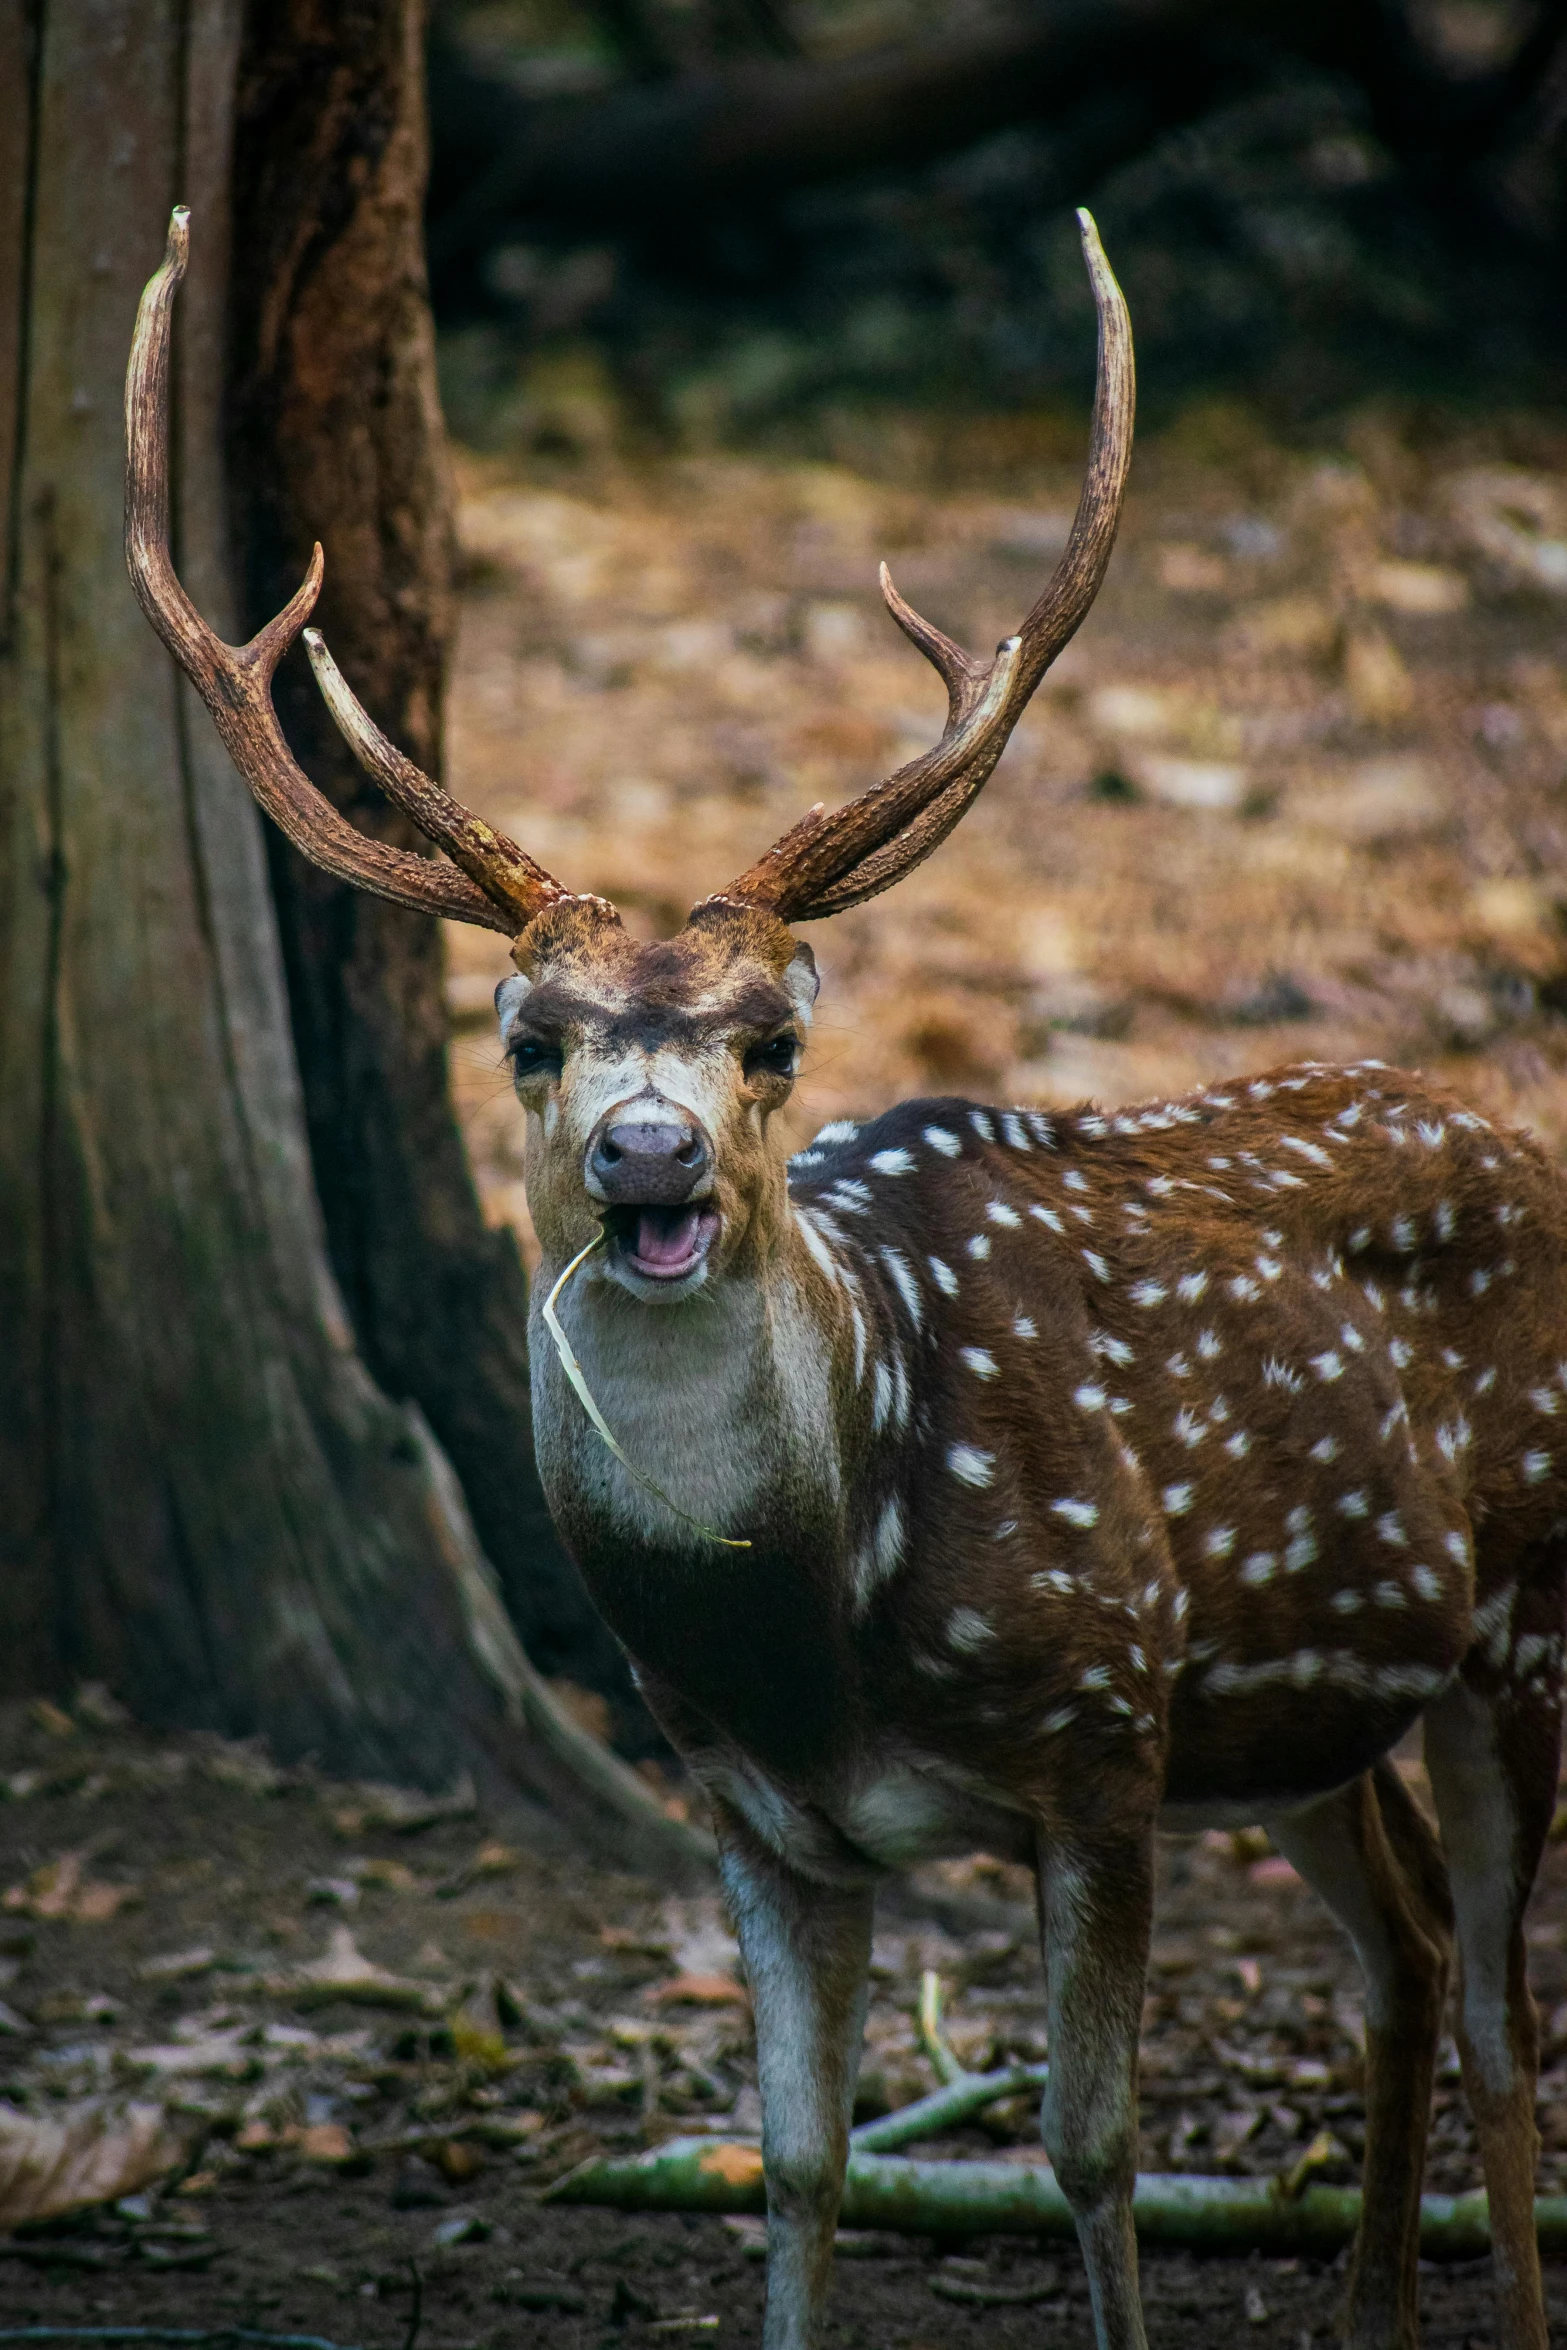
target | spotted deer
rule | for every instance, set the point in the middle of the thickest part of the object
(1027, 1481)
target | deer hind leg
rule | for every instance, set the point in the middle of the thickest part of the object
(807, 1951)
(1096, 1909)
(1376, 1865)
(1493, 1748)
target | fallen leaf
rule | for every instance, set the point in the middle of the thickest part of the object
(325, 2142)
(697, 1991)
(737, 2166)
(176, 1966)
(345, 1973)
(93, 2152)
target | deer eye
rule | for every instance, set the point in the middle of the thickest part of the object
(775, 1058)
(530, 1055)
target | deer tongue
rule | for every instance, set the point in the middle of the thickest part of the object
(667, 1237)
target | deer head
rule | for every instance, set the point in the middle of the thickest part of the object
(650, 1073)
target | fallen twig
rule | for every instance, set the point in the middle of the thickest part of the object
(1005, 2198)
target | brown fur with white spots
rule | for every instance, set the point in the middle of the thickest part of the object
(1099, 1469)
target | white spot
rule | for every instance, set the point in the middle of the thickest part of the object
(1094, 1677)
(1479, 1282)
(1178, 1367)
(1269, 1267)
(1190, 1287)
(1115, 1348)
(1353, 1505)
(1328, 1365)
(1218, 1544)
(1073, 1180)
(1307, 1150)
(941, 1140)
(968, 1629)
(1391, 1529)
(908, 1288)
(1177, 1500)
(999, 1213)
(979, 1246)
(1535, 1467)
(1023, 1326)
(971, 1466)
(1059, 1718)
(1454, 1435)
(1053, 1579)
(1400, 1353)
(881, 1398)
(838, 1130)
(1089, 1399)
(1486, 1381)
(897, 1162)
(1188, 1428)
(1351, 1340)
(1325, 1449)
(979, 1360)
(1096, 1265)
(1259, 1567)
(1077, 1513)
(1244, 1289)
(1049, 1216)
(1277, 1374)
(945, 1278)
(1546, 1400)
(1456, 1547)
(982, 1125)
(1013, 1129)
(1148, 1293)
(1346, 1603)
(1209, 1346)
(1402, 1231)
(1427, 1582)
(1389, 1595)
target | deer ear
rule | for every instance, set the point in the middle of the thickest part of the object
(802, 983)
(510, 997)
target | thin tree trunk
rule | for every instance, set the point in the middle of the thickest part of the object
(204, 1497)
(335, 434)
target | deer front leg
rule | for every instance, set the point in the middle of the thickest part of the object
(807, 1950)
(1096, 1909)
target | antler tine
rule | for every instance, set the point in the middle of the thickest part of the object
(490, 858)
(823, 866)
(235, 681)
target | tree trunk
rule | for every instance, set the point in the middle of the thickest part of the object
(204, 1497)
(335, 434)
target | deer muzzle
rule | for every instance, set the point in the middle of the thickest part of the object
(654, 1177)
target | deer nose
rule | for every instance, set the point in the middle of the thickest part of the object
(644, 1165)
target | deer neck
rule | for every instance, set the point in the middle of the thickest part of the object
(730, 1400)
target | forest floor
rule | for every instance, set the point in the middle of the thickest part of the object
(380, 2026)
(1297, 790)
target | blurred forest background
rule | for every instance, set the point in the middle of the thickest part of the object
(607, 346)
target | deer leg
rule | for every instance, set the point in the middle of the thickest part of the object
(1493, 1746)
(1373, 1861)
(807, 1949)
(1096, 1908)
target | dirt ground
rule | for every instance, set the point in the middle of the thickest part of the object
(165, 1910)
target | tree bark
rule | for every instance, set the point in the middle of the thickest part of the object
(335, 434)
(205, 1499)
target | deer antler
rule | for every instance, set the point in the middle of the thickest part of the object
(826, 863)
(498, 885)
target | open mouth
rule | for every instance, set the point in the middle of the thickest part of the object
(663, 1244)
